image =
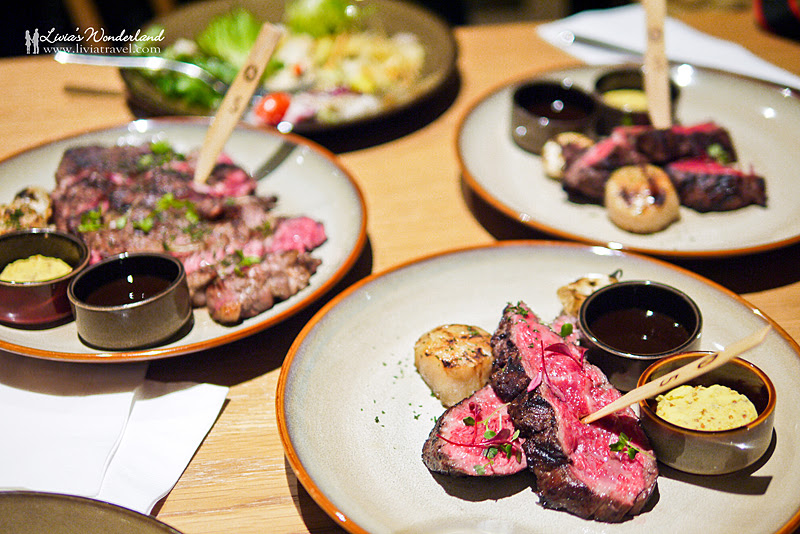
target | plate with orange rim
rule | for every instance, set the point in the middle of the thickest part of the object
(33, 511)
(761, 117)
(307, 180)
(351, 406)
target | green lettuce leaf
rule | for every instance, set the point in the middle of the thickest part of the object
(322, 17)
(230, 36)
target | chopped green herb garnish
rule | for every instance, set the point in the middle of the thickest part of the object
(160, 147)
(246, 261)
(623, 444)
(168, 201)
(518, 309)
(91, 221)
(145, 225)
(718, 153)
(566, 329)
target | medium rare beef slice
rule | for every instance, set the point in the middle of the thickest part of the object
(79, 161)
(508, 378)
(144, 198)
(475, 438)
(661, 146)
(246, 292)
(585, 178)
(705, 185)
(574, 466)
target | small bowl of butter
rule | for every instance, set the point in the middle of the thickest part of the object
(622, 99)
(716, 424)
(36, 267)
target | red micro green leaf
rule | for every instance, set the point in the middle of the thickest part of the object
(564, 349)
(556, 392)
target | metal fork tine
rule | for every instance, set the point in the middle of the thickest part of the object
(145, 62)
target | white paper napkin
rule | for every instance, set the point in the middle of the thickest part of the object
(624, 27)
(100, 431)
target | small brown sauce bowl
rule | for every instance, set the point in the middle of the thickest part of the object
(629, 325)
(542, 109)
(37, 305)
(129, 301)
(609, 117)
(712, 452)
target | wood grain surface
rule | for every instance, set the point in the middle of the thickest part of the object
(239, 481)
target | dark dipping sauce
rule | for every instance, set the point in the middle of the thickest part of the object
(639, 331)
(121, 291)
(555, 102)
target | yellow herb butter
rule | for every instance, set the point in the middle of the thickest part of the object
(630, 100)
(37, 268)
(705, 408)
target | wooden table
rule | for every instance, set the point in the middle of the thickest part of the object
(239, 480)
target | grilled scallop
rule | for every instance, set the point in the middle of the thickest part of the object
(641, 199)
(455, 360)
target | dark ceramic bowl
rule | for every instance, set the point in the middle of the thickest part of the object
(133, 300)
(39, 304)
(609, 116)
(540, 110)
(714, 452)
(629, 325)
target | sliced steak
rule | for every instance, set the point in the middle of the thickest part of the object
(585, 178)
(661, 146)
(689, 155)
(705, 185)
(458, 444)
(77, 162)
(248, 291)
(574, 466)
(239, 257)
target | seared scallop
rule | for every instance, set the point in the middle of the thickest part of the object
(641, 199)
(455, 360)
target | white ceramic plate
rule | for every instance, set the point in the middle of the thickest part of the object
(310, 181)
(763, 120)
(32, 512)
(353, 412)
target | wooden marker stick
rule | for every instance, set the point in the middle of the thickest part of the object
(236, 100)
(680, 375)
(656, 66)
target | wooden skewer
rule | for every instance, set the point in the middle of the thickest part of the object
(679, 376)
(236, 100)
(656, 66)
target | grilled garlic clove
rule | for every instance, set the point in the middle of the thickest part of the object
(641, 199)
(573, 294)
(556, 152)
(30, 208)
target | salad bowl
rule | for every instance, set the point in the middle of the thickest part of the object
(389, 17)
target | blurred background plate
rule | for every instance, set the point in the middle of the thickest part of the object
(763, 120)
(391, 15)
(27, 512)
(309, 181)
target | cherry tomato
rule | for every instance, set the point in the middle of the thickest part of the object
(272, 107)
